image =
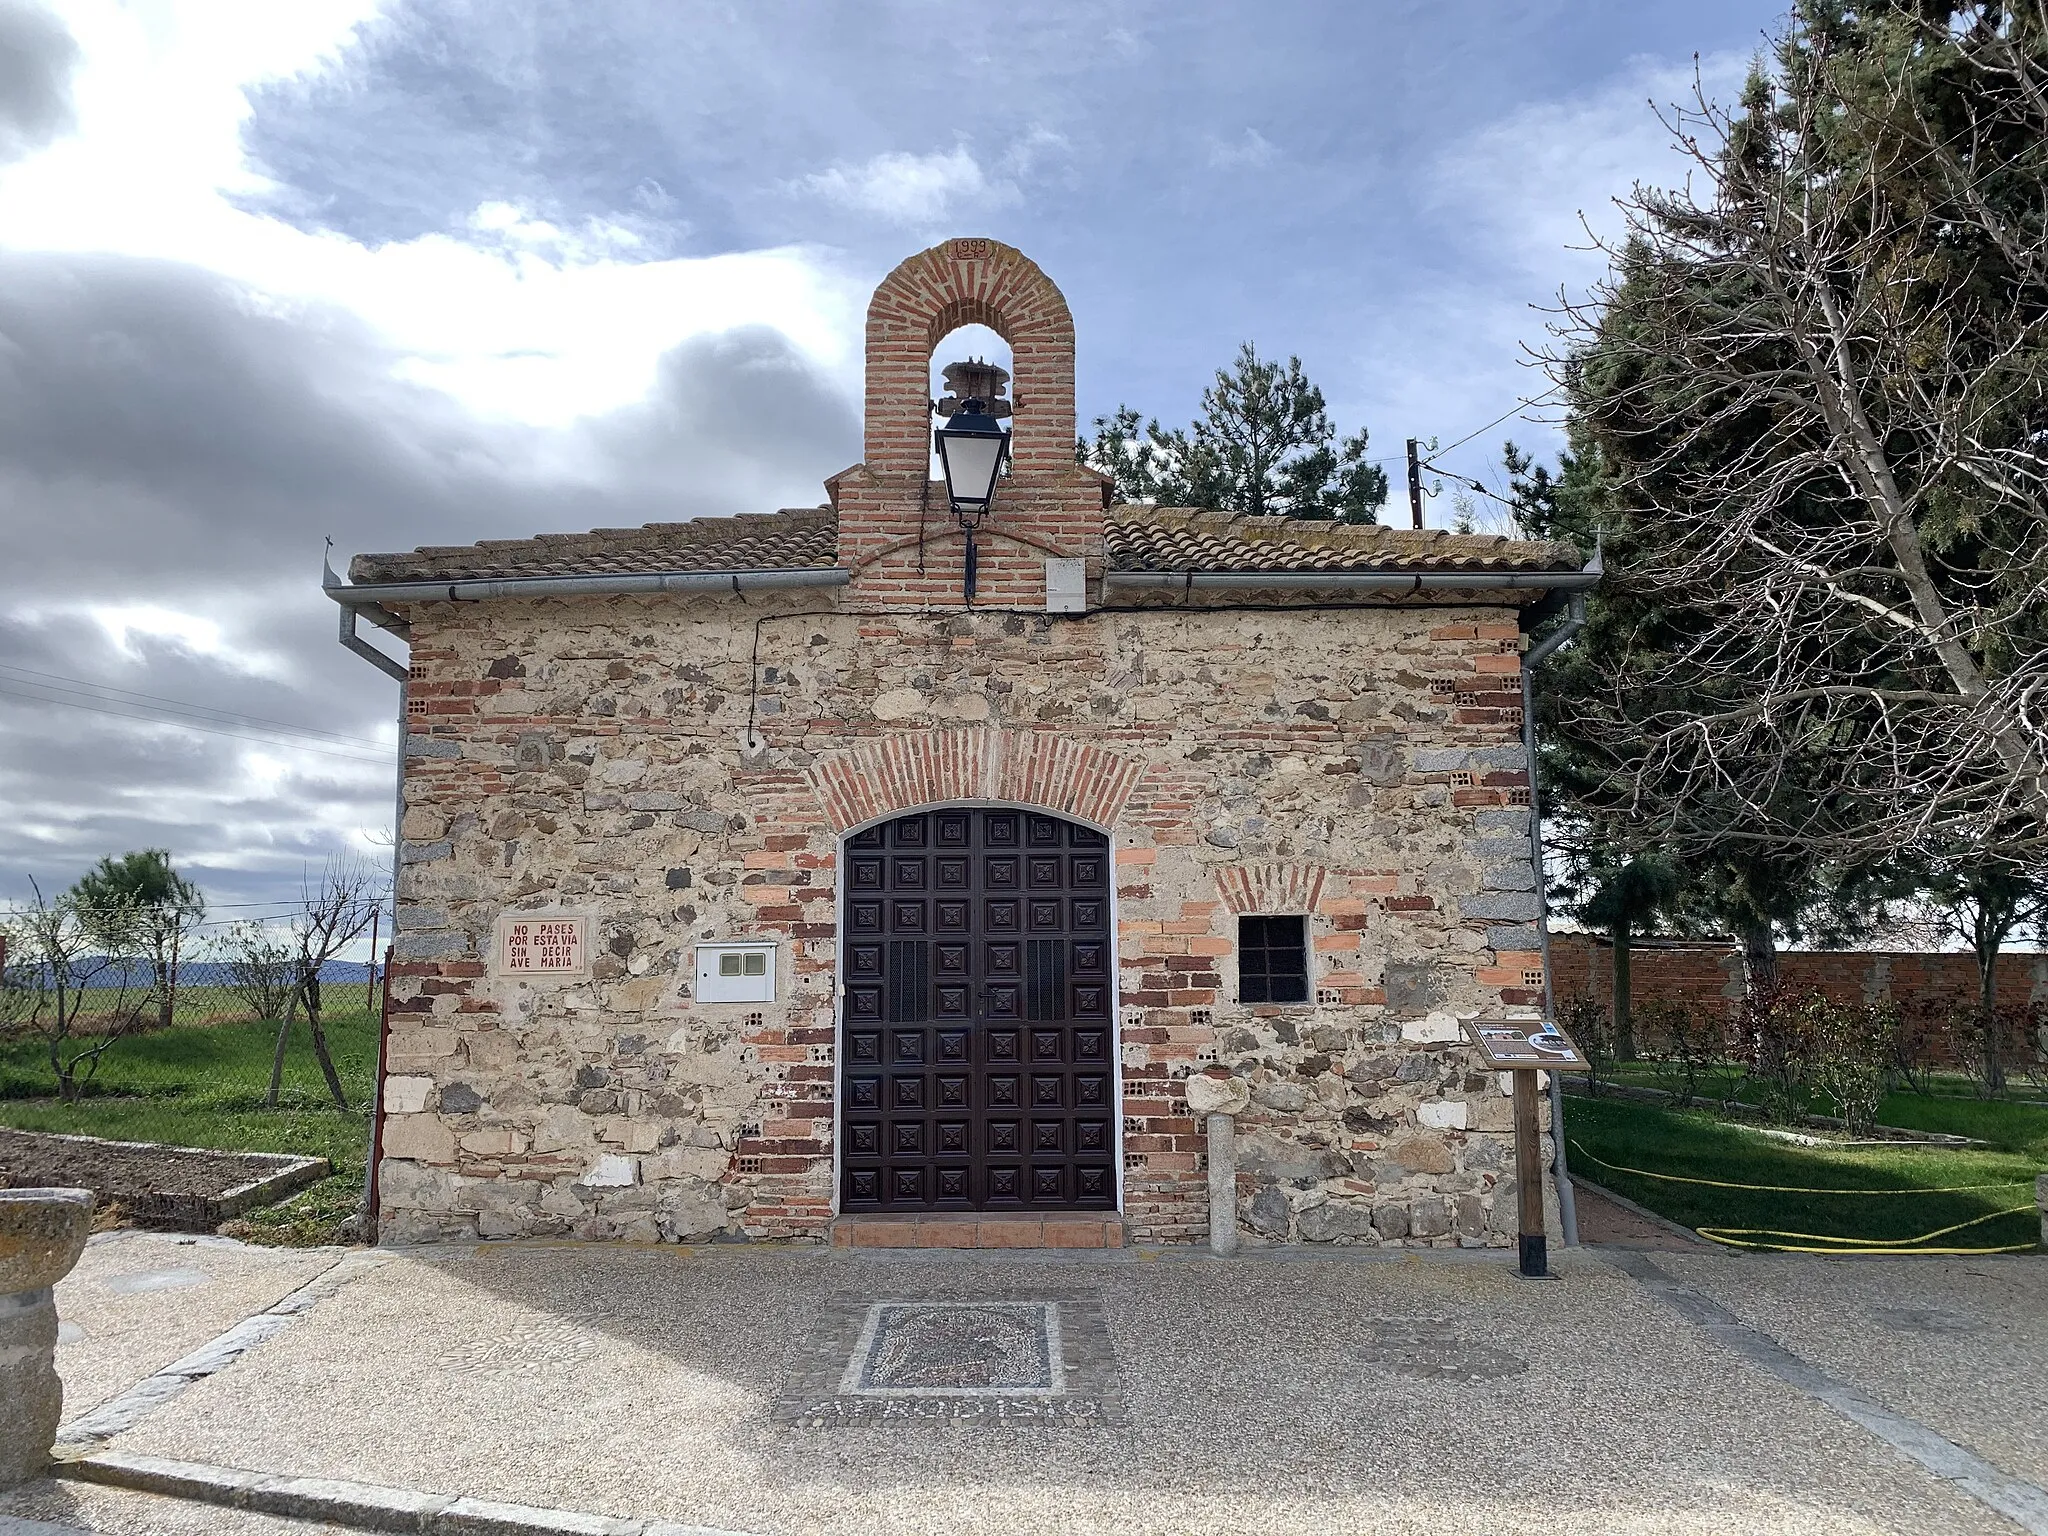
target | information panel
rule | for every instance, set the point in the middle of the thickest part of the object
(1511, 1045)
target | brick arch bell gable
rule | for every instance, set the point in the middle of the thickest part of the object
(896, 533)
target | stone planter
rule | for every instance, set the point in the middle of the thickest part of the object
(42, 1233)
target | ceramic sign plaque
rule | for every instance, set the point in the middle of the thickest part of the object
(543, 945)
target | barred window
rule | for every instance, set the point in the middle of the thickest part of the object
(1272, 959)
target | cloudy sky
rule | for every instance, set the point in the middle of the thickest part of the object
(429, 271)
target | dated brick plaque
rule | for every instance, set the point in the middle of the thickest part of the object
(1431, 1349)
(543, 946)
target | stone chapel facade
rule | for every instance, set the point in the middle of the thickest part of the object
(753, 881)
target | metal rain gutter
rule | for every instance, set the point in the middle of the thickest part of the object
(480, 589)
(1363, 581)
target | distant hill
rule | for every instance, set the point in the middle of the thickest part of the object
(203, 973)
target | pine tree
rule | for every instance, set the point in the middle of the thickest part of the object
(142, 896)
(1263, 446)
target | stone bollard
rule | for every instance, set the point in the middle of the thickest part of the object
(1219, 1099)
(42, 1233)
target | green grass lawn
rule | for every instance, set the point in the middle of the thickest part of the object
(1609, 1137)
(2011, 1122)
(203, 1086)
(226, 1065)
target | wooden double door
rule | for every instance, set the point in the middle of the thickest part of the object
(977, 1038)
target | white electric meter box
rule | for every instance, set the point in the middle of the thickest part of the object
(735, 973)
(1066, 586)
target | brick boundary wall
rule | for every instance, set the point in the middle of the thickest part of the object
(1707, 975)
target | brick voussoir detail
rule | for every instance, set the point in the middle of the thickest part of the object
(1039, 768)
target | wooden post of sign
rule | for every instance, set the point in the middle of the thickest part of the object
(1529, 1179)
(1524, 1049)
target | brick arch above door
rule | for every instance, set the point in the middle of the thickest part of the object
(911, 770)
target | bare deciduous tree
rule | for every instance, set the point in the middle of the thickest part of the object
(334, 911)
(71, 977)
(1821, 372)
(260, 968)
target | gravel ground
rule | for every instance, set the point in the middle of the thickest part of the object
(1959, 1344)
(139, 1300)
(1262, 1397)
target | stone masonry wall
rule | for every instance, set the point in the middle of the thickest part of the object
(625, 759)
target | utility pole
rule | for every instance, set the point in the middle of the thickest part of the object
(1414, 484)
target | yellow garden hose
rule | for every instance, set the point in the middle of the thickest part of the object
(1749, 1237)
(1766, 1237)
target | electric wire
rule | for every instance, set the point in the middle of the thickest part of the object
(1520, 407)
(57, 682)
(191, 725)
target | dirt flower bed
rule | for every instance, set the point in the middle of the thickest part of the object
(183, 1188)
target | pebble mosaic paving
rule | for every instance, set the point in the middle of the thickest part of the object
(1038, 1360)
(1434, 1350)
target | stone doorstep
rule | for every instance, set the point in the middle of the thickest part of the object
(366, 1506)
(974, 1229)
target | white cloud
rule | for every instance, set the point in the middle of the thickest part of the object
(1252, 148)
(1525, 182)
(1037, 147)
(122, 625)
(515, 316)
(195, 390)
(1503, 206)
(912, 189)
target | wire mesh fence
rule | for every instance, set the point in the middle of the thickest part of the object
(216, 1052)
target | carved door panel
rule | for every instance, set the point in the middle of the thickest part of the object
(976, 1042)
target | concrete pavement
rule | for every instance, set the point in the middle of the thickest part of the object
(138, 1300)
(1260, 1394)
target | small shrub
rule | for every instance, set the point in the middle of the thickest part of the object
(1920, 1047)
(1853, 1052)
(2035, 1064)
(1989, 1044)
(1682, 1042)
(1591, 1027)
(1776, 1050)
(261, 969)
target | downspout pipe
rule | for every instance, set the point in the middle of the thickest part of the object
(352, 609)
(1537, 654)
(391, 667)
(351, 641)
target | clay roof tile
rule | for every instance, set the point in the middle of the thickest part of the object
(1135, 538)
